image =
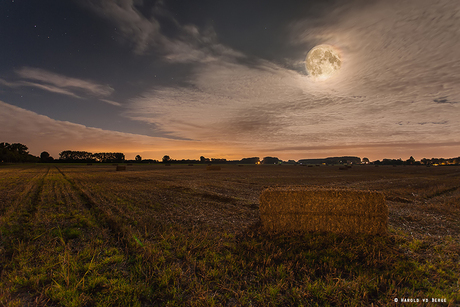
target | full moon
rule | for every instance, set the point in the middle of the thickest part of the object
(322, 62)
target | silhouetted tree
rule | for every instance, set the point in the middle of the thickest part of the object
(411, 160)
(203, 159)
(166, 159)
(138, 158)
(75, 156)
(252, 160)
(218, 160)
(19, 148)
(365, 160)
(45, 157)
(270, 160)
(119, 157)
(15, 152)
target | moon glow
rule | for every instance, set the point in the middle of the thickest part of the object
(322, 62)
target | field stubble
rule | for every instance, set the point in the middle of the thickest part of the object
(88, 235)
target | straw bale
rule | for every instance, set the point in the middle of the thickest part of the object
(343, 168)
(213, 168)
(190, 165)
(168, 164)
(121, 168)
(315, 209)
(89, 164)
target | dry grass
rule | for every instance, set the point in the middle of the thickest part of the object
(316, 209)
(74, 235)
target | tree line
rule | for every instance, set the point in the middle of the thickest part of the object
(17, 152)
(84, 156)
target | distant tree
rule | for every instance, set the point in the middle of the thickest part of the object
(411, 160)
(166, 159)
(138, 158)
(252, 160)
(45, 157)
(203, 159)
(15, 152)
(218, 160)
(365, 160)
(19, 148)
(119, 157)
(270, 160)
(76, 156)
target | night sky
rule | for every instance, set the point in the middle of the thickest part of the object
(227, 79)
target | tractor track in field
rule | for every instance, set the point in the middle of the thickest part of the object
(28, 200)
(15, 219)
(95, 209)
(26, 184)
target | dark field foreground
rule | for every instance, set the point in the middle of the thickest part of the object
(75, 235)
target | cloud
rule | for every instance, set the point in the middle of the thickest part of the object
(42, 133)
(62, 84)
(391, 47)
(49, 88)
(114, 103)
(224, 101)
(267, 105)
(391, 73)
(190, 44)
(142, 31)
(9, 84)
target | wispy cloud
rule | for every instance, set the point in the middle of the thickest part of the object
(114, 103)
(49, 88)
(134, 26)
(52, 81)
(60, 84)
(190, 44)
(46, 87)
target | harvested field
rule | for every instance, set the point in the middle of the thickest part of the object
(87, 235)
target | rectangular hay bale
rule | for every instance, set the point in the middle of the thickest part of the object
(213, 168)
(315, 209)
(121, 168)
